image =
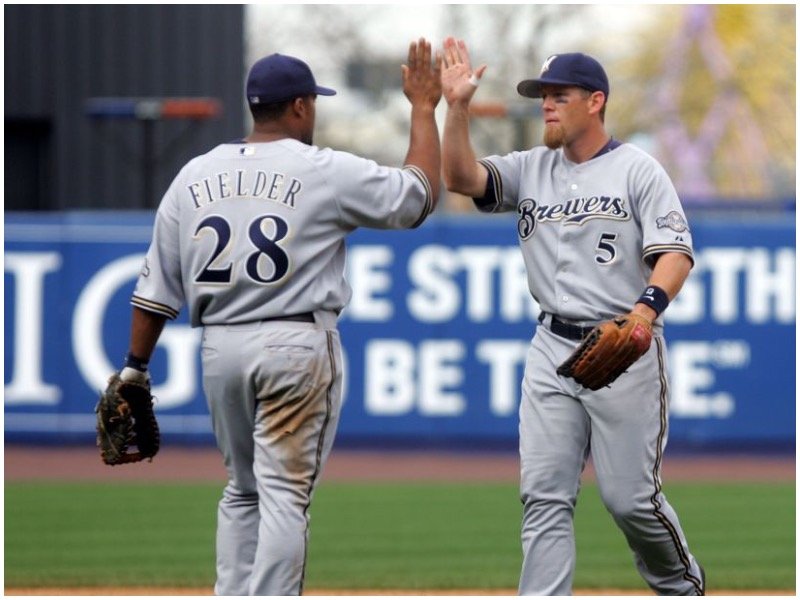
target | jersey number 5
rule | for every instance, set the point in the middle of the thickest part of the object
(266, 248)
(606, 252)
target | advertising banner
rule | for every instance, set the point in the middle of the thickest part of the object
(435, 334)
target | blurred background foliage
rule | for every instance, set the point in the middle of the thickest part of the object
(721, 81)
(709, 90)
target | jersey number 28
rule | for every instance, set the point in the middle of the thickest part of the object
(265, 247)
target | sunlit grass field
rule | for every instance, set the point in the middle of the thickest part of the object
(379, 536)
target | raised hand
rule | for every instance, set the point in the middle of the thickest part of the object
(459, 81)
(422, 81)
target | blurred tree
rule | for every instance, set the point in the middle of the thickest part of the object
(346, 39)
(708, 89)
(711, 92)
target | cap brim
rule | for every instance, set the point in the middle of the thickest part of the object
(323, 91)
(532, 88)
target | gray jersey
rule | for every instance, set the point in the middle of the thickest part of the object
(252, 231)
(588, 232)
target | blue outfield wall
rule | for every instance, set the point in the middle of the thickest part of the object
(435, 335)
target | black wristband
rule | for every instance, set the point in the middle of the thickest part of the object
(134, 362)
(654, 297)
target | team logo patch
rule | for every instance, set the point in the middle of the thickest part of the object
(674, 220)
(145, 272)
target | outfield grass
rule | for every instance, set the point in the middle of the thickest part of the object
(384, 536)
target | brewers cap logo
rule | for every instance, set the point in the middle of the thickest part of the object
(546, 65)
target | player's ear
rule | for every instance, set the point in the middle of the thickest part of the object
(297, 106)
(597, 101)
(303, 106)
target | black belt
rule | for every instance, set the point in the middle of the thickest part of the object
(566, 330)
(307, 317)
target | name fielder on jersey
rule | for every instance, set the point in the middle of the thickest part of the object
(573, 212)
(259, 184)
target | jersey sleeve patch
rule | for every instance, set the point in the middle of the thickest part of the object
(674, 221)
(493, 197)
(426, 210)
(154, 307)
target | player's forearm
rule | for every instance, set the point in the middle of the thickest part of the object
(424, 150)
(146, 328)
(669, 274)
(462, 174)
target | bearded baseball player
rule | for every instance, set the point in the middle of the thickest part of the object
(607, 247)
(250, 237)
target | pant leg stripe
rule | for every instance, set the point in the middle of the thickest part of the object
(657, 470)
(320, 446)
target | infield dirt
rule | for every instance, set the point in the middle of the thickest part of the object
(176, 463)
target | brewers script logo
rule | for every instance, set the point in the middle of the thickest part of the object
(573, 212)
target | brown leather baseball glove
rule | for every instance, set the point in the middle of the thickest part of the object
(125, 418)
(608, 351)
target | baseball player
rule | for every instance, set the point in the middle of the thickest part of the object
(602, 233)
(251, 238)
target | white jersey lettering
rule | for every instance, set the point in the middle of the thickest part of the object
(243, 184)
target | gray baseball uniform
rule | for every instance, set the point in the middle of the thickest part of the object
(251, 238)
(589, 233)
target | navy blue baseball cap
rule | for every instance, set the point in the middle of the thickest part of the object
(278, 77)
(573, 68)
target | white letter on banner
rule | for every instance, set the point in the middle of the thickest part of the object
(388, 377)
(765, 283)
(724, 264)
(691, 377)
(181, 341)
(368, 276)
(436, 374)
(504, 357)
(437, 298)
(26, 385)
(480, 263)
(516, 301)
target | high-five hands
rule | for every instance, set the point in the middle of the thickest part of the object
(459, 81)
(422, 81)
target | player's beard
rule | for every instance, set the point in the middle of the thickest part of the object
(554, 135)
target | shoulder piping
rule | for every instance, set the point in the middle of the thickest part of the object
(494, 173)
(428, 193)
(155, 307)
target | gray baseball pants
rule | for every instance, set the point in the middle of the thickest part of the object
(274, 390)
(624, 428)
